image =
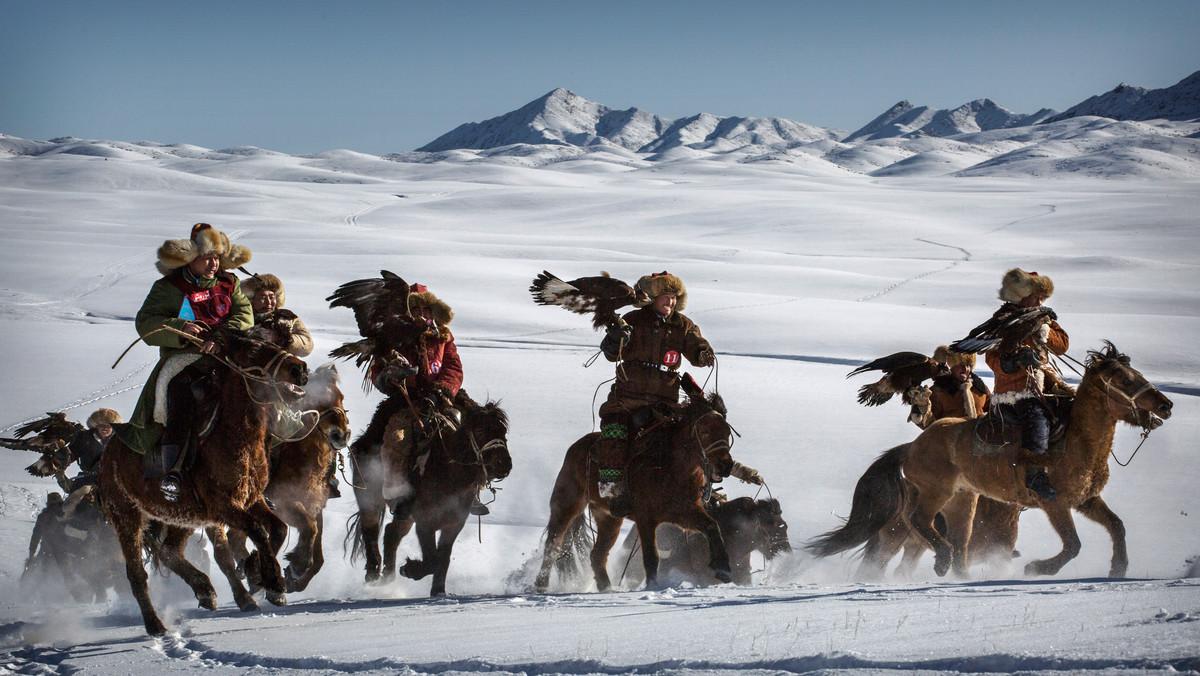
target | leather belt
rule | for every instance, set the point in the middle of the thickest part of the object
(659, 367)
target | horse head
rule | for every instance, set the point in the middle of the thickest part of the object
(486, 427)
(268, 370)
(703, 424)
(769, 517)
(325, 397)
(1130, 397)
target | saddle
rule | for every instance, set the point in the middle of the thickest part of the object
(998, 432)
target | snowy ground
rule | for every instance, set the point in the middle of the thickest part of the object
(793, 278)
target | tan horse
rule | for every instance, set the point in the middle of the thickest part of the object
(668, 474)
(224, 484)
(940, 463)
(297, 491)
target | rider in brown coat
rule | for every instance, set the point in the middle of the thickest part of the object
(649, 347)
(961, 394)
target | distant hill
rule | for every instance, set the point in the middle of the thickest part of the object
(1178, 102)
(905, 119)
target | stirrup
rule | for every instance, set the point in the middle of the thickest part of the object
(170, 485)
(478, 508)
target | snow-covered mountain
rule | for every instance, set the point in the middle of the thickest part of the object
(565, 118)
(905, 119)
(1178, 102)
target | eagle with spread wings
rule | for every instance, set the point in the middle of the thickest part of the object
(601, 296)
(902, 371)
(1007, 329)
(381, 310)
(50, 435)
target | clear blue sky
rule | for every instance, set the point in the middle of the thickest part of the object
(380, 77)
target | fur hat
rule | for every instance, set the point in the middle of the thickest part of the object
(421, 296)
(1019, 285)
(205, 239)
(105, 416)
(252, 285)
(659, 283)
(943, 354)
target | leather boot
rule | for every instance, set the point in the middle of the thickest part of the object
(171, 483)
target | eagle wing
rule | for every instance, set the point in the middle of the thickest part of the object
(601, 296)
(1008, 328)
(902, 371)
(50, 434)
(381, 310)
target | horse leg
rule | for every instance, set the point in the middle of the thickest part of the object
(393, 533)
(930, 501)
(416, 569)
(718, 560)
(959, 513)
(316, 557)
(171, 553)
(608, 528)
(127, 521)
(648, 537)
(226, 561)
(1060, 518)
(300, 559)
(567, 502)
(445, 547)
(369, 519)
(254, 522)
(1097, 510)
(883, 546)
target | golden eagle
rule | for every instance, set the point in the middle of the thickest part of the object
(381, 310)
(1007, 328)
(50, 434)
(902, 371)
(600, 296)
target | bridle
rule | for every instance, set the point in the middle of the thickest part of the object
(1119, 394)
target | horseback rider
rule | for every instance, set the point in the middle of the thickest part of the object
(266, 295)
(86, 449)
(195, 295)
(429, 395)
(1022, 374)
(50, 517)
(960, 394)
(647, 345)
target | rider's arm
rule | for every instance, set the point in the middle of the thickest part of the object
(159, 309)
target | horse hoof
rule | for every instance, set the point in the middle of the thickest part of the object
(207, 601)
(276, 598)
(155, 627)
(723, 575)
(247, 605)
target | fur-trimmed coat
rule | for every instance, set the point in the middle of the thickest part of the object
(162, 307)
(1027, 382)
(440, 370)
(654, 340)
(952, 398)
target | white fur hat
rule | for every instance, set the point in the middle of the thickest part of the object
(1019, 285)
(205, 239)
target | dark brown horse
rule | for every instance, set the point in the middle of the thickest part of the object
(747, 526)
(940, 463)
(460, 463)
(224, 484)
(297, 490)
(672, 465)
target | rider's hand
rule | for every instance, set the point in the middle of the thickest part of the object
(193, 328)
(706, 358)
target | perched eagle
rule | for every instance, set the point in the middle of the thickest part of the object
(50, 434)
(381, 310)
(1008, 328)
(599, 296)
(902, 370)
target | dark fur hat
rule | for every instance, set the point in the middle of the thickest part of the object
(252, 285)
(421, 296)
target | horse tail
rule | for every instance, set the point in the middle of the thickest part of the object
(353, 540)
(577, 545)
(879, 497)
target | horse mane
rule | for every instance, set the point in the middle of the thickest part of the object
(1095, 357)
(698, 407)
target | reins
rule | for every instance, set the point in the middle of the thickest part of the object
(1131, 400)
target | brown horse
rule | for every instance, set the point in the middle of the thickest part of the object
(225, 482)
(747, 526)
(460, 463)
(940, 463)
(673, 462)
(297, 490)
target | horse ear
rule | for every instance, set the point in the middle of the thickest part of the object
(693, 390)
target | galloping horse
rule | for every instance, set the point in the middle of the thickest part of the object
(673, 462)
(747, 526)
(225, 482)
(460, 463)
(940, 462)
(297, 490)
